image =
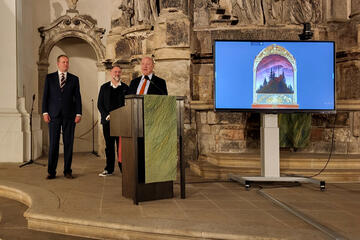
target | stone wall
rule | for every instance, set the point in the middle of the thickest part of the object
(240, 20)
(180, 38)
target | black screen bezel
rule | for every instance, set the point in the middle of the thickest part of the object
(278, 110)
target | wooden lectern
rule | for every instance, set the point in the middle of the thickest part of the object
(151, 131)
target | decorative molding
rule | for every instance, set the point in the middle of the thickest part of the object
(78, 26)
(201, 105)
(348, 105)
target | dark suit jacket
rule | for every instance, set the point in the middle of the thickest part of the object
(103, 103)
(157, 86)
(67, 103)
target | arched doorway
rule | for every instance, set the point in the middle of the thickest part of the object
(79, 38)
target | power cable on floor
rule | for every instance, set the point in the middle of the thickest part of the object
(331, 150)
(329, 158)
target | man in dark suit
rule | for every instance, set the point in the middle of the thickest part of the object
(148, 83)
(61, 108)
(111, 97)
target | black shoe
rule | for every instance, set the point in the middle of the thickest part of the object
(68, 175)
(50, 177)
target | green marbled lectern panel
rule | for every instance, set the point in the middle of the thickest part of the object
(160, 137)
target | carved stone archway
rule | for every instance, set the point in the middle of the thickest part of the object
(78, 26)
(71, 25)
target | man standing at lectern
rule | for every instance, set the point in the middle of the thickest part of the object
(61, 108)
(111, 97)
(148, 83)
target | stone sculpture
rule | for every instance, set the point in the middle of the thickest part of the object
(72, 4)
(248, 11)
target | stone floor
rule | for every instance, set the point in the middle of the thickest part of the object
(13, 225)
(92, 206)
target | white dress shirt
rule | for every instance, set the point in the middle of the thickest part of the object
(142, 82)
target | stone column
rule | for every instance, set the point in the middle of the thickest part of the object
(171, 44)
(12, 142)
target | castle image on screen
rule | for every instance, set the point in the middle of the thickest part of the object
(275, 78)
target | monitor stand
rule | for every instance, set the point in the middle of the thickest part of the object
(270, 157)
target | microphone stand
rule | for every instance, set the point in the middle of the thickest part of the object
(93, 129)
(31, 140)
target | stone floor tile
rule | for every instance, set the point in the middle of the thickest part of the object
(288, 219)
(196, 204)
(233, 204)
(163, 212)
(264, 204)
(210, 215)
(250, 218)
(120, 212)
(336, 219)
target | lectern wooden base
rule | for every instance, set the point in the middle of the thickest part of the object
(154, 191)
(133, 185)
(149, 166)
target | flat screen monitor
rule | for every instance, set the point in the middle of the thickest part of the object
(274, 76)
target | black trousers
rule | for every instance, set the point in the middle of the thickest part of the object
(68, 128)
(110, 148)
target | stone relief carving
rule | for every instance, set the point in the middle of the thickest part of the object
(248, 11)
(128, 47)
(80, 26)
(265, 12)
(205, 4)
(202, 11)
(292, 11)
(302, 11)
(122, 14)
(145, 11)
(129, 13)
(274, 11)
(72, 4)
